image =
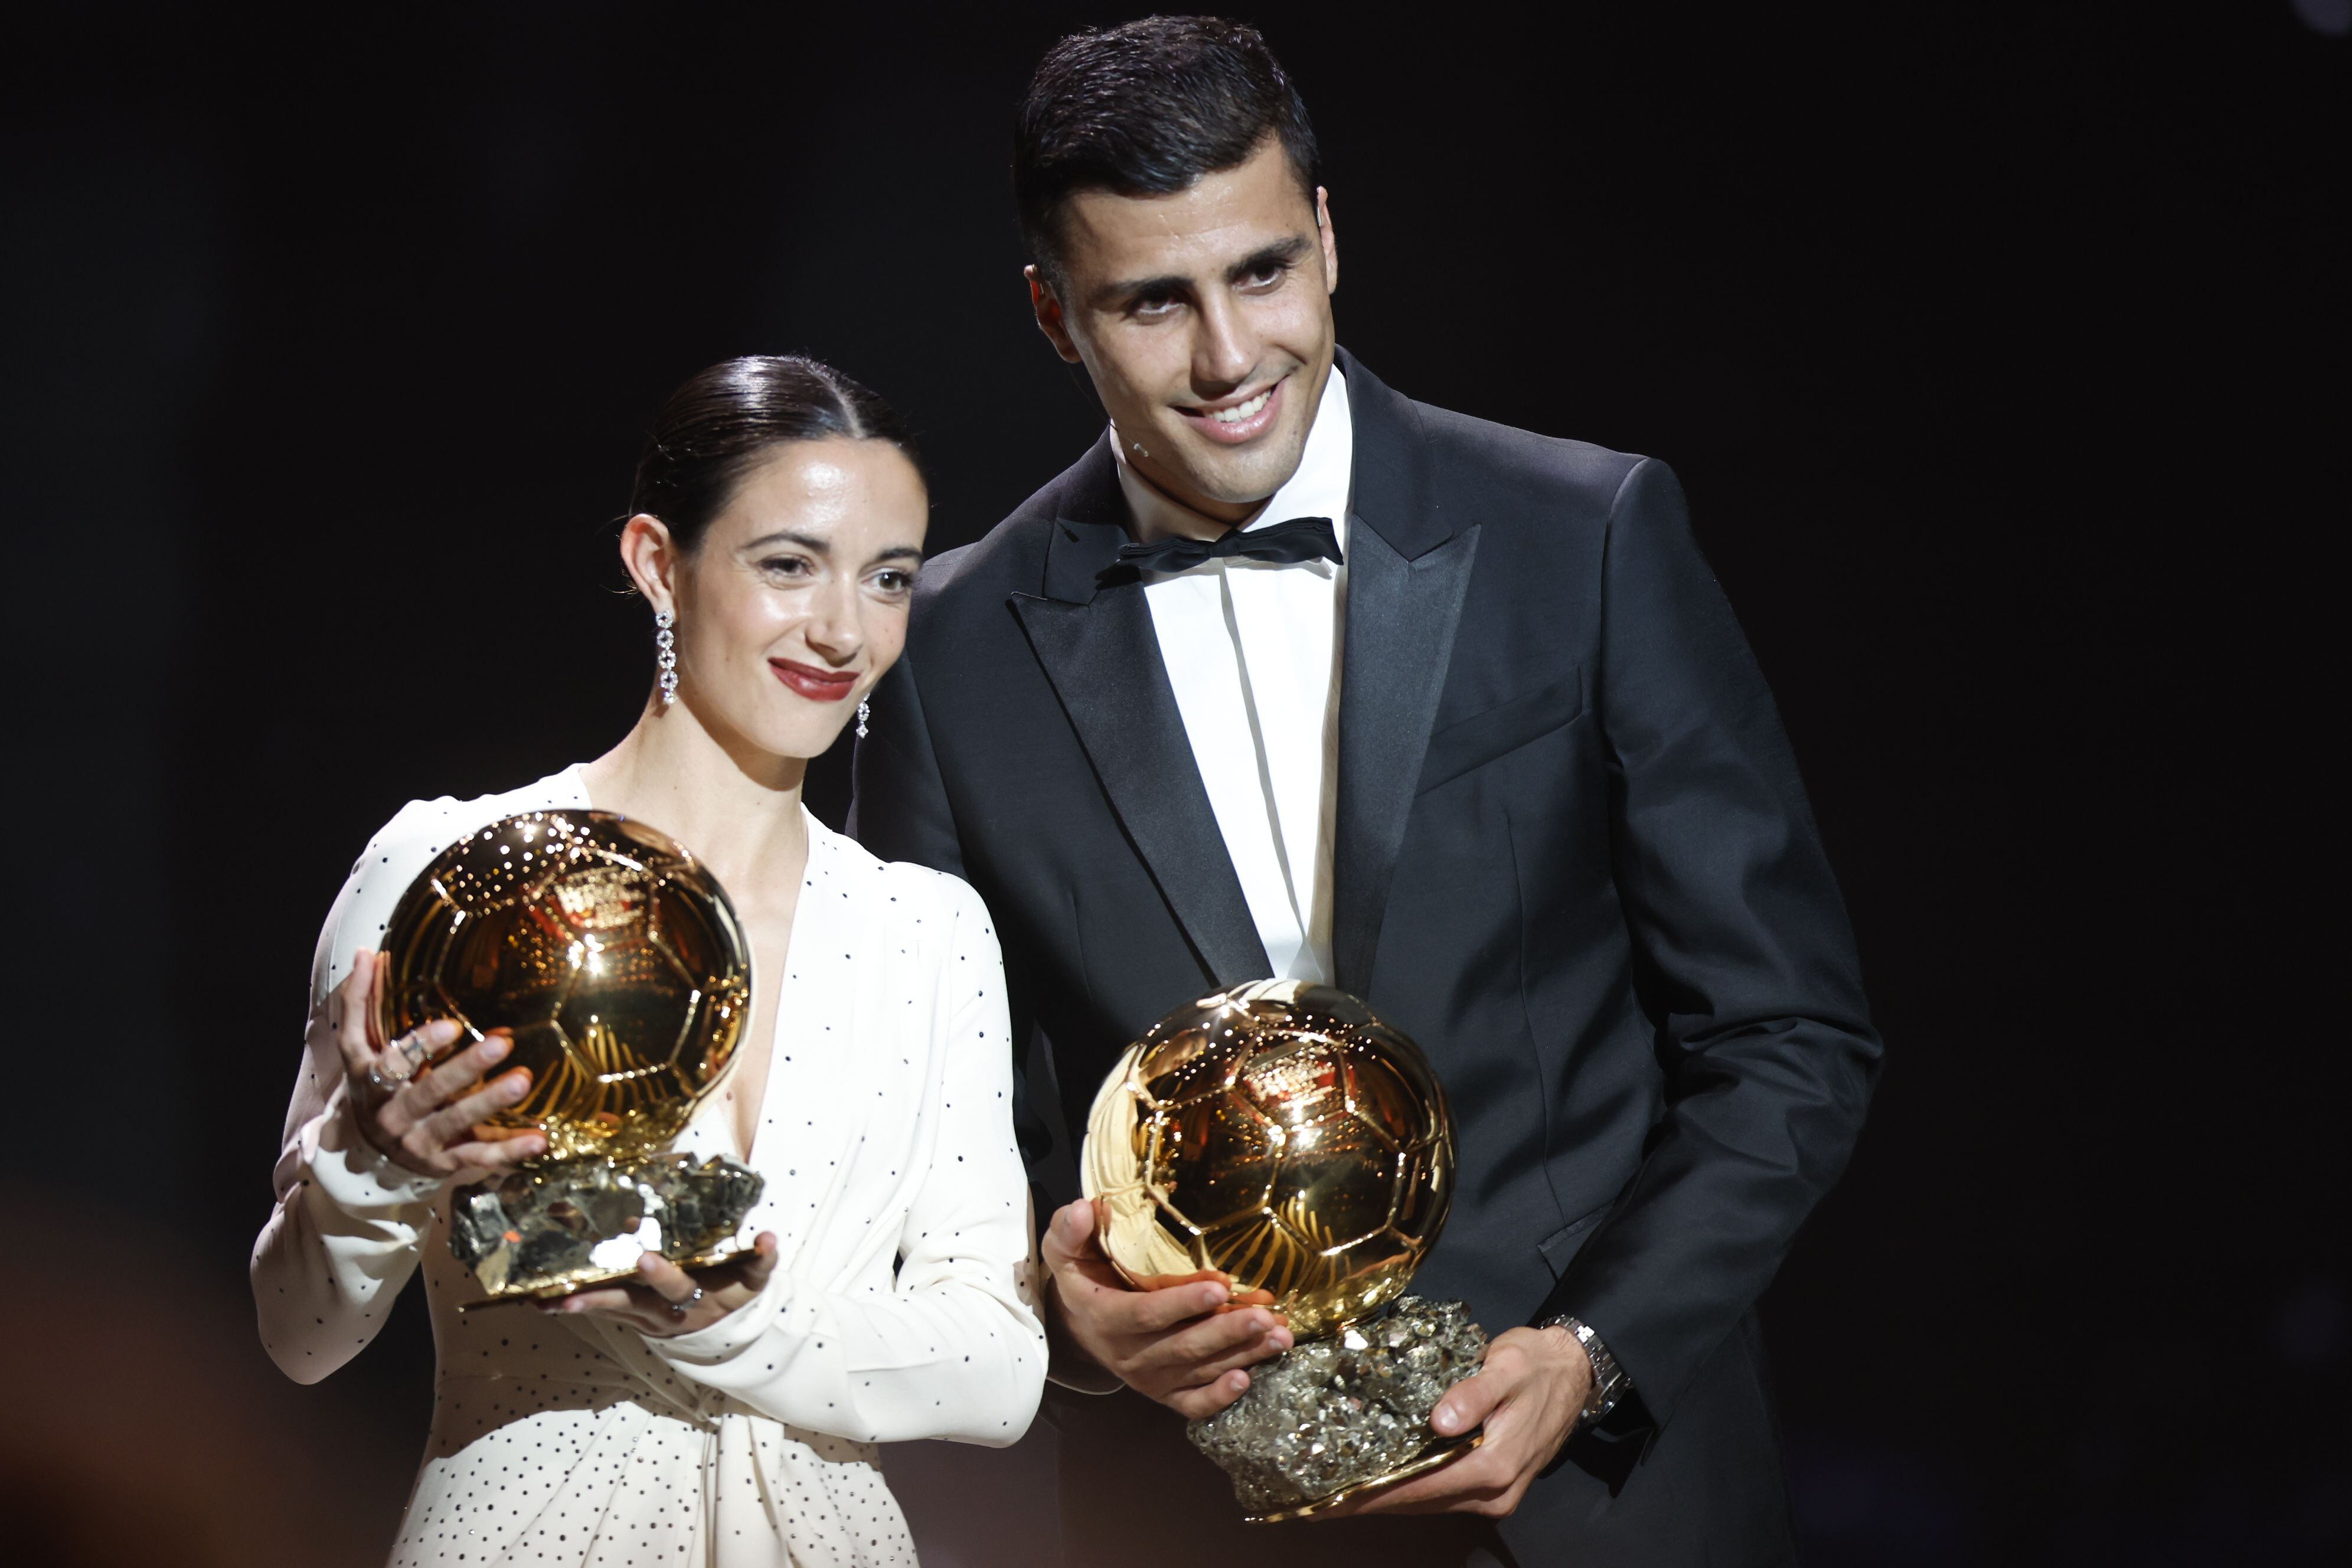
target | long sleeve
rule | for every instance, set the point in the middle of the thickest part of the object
(343, 1236)
(954, 1348)
(1744, 957)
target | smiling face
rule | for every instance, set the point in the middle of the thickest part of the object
(793, 603)
(1204, 317)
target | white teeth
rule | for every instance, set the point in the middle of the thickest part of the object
(1241, 411)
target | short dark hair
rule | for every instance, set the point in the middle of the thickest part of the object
(718, 425)
(1145, 109)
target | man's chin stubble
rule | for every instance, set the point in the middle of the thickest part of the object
(1240, 485)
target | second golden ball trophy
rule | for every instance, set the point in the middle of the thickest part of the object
(615, 959)
(1282, 1134)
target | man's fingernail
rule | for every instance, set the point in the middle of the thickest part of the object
(1443, 1419)
(494, 1046)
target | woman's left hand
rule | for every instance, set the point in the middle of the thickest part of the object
(669, 1301)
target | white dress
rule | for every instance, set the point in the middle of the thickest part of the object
(902, 1307)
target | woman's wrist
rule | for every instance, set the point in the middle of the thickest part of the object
(370, 1149)
(349, 1170)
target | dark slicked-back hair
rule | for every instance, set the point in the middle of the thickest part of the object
(725, 420)
(1145, 109)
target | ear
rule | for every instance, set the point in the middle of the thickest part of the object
(651, 559)
(1048, 311)
(1330, 241)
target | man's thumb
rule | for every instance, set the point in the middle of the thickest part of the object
(1465, 1405)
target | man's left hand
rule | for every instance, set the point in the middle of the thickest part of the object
(1528, 1393)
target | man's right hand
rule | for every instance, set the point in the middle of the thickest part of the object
(1178, 1344)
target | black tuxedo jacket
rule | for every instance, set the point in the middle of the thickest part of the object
(1573, 860)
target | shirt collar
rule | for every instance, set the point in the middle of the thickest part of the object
(1318, 488)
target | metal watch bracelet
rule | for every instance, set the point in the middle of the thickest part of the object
(1609, 1379)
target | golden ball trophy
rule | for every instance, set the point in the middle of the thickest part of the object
(615, 962)
(1283, 1135)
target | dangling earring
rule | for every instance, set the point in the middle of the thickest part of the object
(864, 713)
(665, 655)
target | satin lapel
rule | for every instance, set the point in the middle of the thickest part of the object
(1408, 568)
(1103, 657)
(1400, 635)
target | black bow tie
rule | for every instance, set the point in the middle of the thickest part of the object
(1286, 543)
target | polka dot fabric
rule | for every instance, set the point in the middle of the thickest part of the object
(903, 1307)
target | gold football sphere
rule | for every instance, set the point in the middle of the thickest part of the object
(1281, 1133)
(611, 954)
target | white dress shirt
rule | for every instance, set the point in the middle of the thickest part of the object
(1253, 649)
(901, 1307)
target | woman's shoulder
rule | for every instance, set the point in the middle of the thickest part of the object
(422, 828)
(895, 888)
(404, 846)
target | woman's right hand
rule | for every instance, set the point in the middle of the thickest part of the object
(426, 1121)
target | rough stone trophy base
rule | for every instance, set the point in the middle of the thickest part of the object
(1335, 1418)
(555, 1226)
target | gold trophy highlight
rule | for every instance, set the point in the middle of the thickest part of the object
(1281, 1133)
(614, 959)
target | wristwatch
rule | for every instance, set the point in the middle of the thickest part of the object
(1609, 1382)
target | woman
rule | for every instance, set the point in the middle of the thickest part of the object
(730, 1417)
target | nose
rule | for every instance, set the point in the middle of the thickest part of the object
(1225, 349)
(836, 627)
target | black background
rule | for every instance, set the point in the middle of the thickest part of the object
(2001, 351)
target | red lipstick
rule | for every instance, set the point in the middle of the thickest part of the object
(816, 685)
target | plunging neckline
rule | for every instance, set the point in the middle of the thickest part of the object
(717, 1106)
(760, 1118)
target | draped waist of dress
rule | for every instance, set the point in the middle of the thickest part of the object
(619, 1447)
(611, 1366)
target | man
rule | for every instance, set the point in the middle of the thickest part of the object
(1291, 676)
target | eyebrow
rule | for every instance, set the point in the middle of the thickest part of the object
(1279, 253)
(817, 544)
